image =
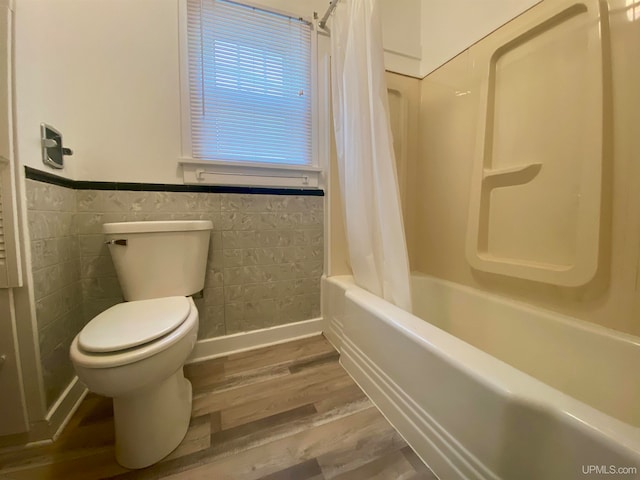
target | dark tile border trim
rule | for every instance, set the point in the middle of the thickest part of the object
(45, 177)
(33, 174)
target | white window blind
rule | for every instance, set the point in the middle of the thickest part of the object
(249, 84)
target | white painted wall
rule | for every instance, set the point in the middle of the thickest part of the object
(449, 27)
(402, 34)
(106, 73)
(421, 35)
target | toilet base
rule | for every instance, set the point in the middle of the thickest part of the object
(151, 423)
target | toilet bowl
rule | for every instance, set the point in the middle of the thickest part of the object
(135, 351)
(142, 372)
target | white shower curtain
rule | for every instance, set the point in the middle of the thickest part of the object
(366, 161)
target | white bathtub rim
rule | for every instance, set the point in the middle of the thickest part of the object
(347, 282)
(533, 309)
(500, 376)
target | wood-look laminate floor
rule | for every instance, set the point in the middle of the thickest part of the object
(288, 411)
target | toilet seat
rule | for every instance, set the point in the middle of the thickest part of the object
(131, 324)
(88, 359)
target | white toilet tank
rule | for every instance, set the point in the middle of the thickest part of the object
(159, 259)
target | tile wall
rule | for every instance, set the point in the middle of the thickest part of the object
(56, 275)
(265, 257)
(264, 266)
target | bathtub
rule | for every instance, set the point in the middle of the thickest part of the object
(487, 388)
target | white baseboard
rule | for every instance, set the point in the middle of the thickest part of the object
(66, 405)
(241, 342)
(46, 431)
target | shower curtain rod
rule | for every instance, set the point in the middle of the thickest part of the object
(323, 21)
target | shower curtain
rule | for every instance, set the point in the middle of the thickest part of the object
(366, 160)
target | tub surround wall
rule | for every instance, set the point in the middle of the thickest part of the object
(404, 106)
(57, 280)
(264, 265)
(448, 124)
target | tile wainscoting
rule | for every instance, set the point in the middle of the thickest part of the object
(264, 266)
(55, 263)
(265, 256)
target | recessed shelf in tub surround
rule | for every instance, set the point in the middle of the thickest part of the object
(536, 194)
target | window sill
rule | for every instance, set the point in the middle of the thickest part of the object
(209, 172)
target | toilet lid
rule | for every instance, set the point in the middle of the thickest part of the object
(130, 324)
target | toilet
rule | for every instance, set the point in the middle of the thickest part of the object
(135, 351)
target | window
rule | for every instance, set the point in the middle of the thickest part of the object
(250, 81)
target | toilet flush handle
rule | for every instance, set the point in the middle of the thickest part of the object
(120, 241)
